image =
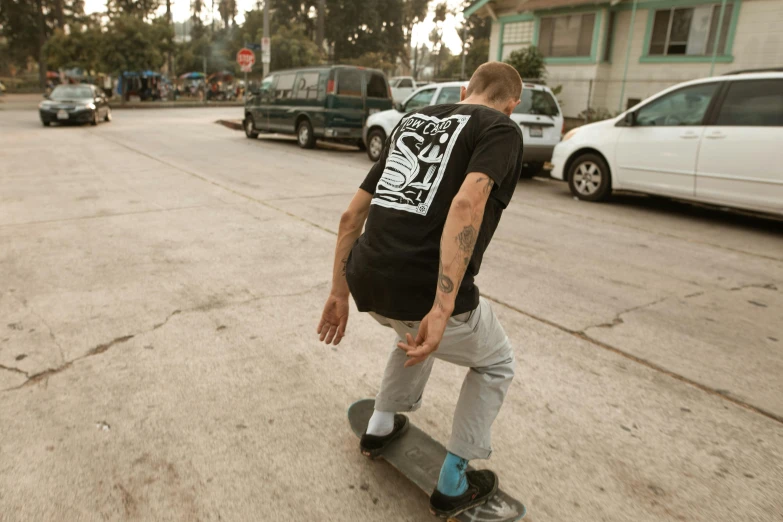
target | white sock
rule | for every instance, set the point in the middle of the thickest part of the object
(381, 423)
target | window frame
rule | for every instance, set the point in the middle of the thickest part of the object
(338, 78)
(725, 57)
(432, 97)
(598, 26)
(724, 93)
(707, 118)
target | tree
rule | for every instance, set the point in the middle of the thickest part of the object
(373, 61)
(130, 44)
(77, 49)
(292, 48)
(27, 25)
(228, 12)
(529, 63)
(141, 8)
(436, 36)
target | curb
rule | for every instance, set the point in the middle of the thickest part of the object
(231, 124)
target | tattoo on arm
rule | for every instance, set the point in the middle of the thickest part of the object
(344, 264)
(467, 239)
(489, 183)
(445, 284)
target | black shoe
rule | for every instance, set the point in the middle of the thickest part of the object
(482, 486)
(373, 445)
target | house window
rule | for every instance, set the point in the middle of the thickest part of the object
(566, 36)
(689, 31)
(516, 36)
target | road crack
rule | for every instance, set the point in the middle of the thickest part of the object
(618, 319)
(767, 286)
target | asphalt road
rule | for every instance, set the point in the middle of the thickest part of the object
(160, 282)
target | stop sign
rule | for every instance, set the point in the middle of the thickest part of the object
(246, 58)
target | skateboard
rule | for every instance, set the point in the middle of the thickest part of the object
(419, 457)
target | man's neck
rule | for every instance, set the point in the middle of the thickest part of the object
(481, 100)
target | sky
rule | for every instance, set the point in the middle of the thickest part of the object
(421, 32)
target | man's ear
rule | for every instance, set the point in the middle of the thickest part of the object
(511, 106)
(463, 93)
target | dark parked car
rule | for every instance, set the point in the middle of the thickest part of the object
(74, 104)
(329, 102)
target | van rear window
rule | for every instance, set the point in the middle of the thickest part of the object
(349, 82)
(376, 86)
(537, 102)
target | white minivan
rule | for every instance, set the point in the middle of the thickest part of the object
(715, 140)
(538, 114)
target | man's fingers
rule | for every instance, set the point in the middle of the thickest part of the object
(340, 332)
(324, 331)
(413, 361)
(320, 325)
(331, 334)
(421, 351)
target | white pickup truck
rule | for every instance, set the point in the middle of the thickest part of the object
(403, 86)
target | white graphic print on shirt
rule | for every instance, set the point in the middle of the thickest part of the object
(418, 157)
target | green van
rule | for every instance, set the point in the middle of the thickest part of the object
(319, 102)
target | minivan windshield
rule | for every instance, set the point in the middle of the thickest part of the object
(537, 102)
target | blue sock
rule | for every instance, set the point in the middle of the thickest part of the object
(452, 480)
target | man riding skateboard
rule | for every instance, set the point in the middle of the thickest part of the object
(429, 208)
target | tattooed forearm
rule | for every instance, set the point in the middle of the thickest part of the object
(488, 183)
(344, 265)
(467, 239)
(445, 284)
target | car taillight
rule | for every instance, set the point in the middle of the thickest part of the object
(562, 129)
(330, 87)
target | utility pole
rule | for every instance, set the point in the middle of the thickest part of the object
(170, 21)
(266, 33)
(320, 23)
(416, 62)
(464, 39)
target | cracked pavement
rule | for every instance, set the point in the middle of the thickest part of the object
(160, 282)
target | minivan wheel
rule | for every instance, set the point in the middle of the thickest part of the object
(375, 141)
(304, 134)
(589, 178)
(250, 127)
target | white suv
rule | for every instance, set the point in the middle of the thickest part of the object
(715, 140)
(538, 114)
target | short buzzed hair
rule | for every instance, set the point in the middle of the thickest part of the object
(496, 81)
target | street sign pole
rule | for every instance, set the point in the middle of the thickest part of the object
(244, 90)
(264, 49)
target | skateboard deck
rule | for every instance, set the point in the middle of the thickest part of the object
(419, 457)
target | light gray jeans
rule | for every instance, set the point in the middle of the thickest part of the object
(473, 339)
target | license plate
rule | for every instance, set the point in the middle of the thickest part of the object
(62, 115)
(536, 132)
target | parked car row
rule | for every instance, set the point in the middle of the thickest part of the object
(714, 140)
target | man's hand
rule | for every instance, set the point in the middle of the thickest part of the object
(333, 319)
(428, 339)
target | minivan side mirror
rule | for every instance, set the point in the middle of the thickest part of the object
(399, 107)
(630, 119)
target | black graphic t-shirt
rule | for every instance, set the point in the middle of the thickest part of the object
(393, 267)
